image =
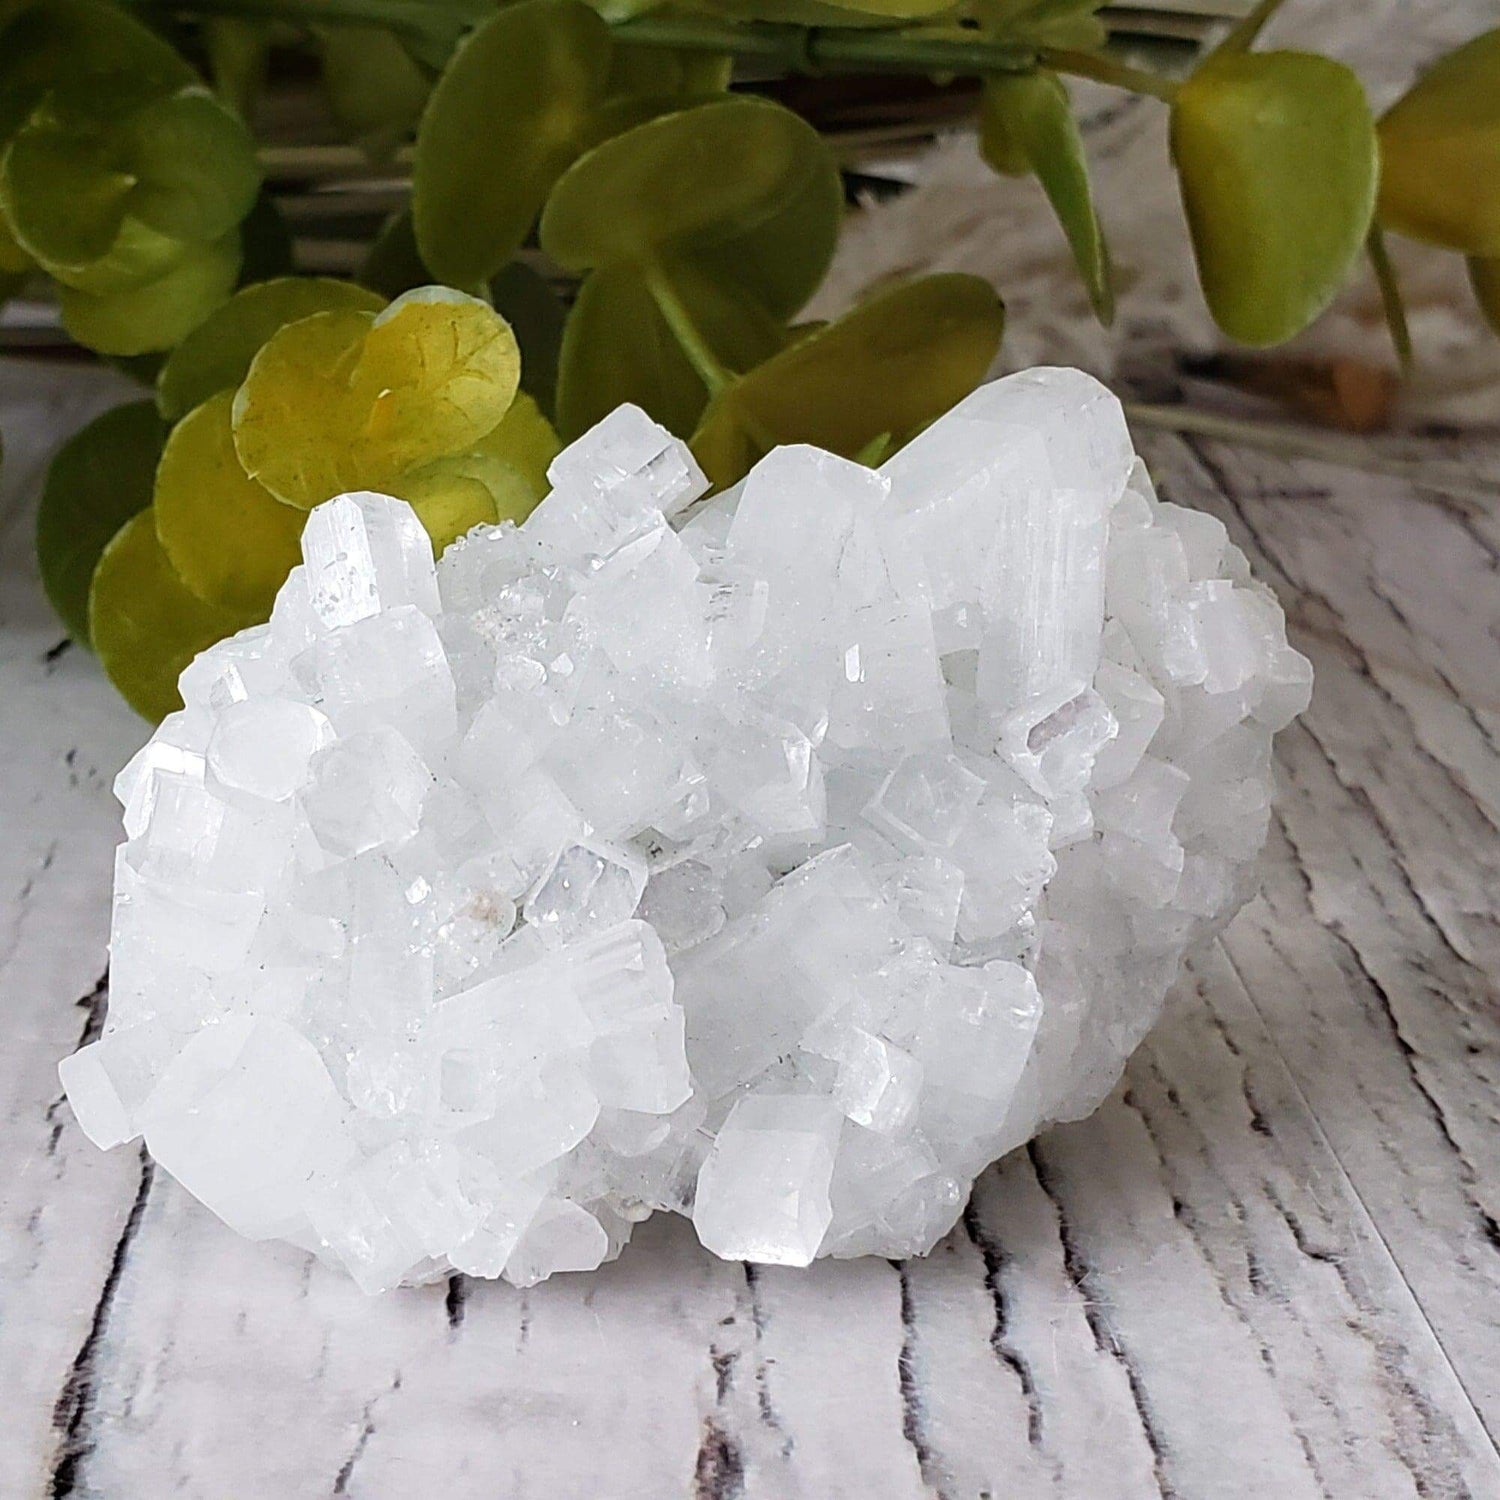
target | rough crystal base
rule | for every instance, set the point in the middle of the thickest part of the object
(779, 858)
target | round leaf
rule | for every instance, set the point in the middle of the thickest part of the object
(228, 538)
(266, 240)
(159, 314)
(1277, 160)
(508, 115)
(217, 353)
(618, 347)
(1440, 153)
(346, 400)
(393, 264)
(103, 187)
(145, 624)
(525, 440)
(454, 495)
(60, 39)
(99, 478)
(63, 197)
(194, 164)
(825, 12)
(535, 313)
(375, 90)
(893, 364)
(1027, 115)
(697, 178)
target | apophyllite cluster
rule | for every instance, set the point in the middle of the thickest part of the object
(779, 858)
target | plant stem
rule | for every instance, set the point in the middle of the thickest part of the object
(1390, 296)
(711, 371)
(1103, 69)
(794, 49)
(1242, 37)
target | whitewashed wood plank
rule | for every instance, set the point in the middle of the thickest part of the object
(63, 1206)
(1182, 1296)
(1373, 953)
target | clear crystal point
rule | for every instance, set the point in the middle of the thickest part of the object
(780, 862)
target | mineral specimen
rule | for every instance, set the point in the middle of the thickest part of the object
(779, 858)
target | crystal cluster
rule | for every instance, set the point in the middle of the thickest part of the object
(779, 858)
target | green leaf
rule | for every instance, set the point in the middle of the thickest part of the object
(70, 39)
(228, 538)
(375, 90)
(892, 365)
(393, 264)
(146, 625)
(1440, 153)
(698, 178)
(217, 353)
(1484, 277)
(536, 314)
(506, 118)
(104, 189)
(63, 196)
(825, 12)
(526, 440)
(661, 72)
(454, 495)
(618, 346)
(1277, 160)
(266, 242)
(345, 400)
(1072, 24)
(99, 478)
(194, 163)
(1027, 116)
(159, 314)
(239, 53)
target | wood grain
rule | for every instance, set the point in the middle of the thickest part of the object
(1267, 1267)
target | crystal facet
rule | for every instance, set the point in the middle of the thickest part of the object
(780, 859)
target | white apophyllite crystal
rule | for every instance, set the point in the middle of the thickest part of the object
(779, 858)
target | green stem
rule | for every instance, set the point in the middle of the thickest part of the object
(711, 371)
(406, 17)
(1242, 37)
(1390, 296)
(1102, 69)
(793, 49)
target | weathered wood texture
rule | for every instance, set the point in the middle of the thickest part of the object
(1268, 1267)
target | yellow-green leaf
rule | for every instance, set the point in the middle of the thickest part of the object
(508, 115)
(618, 346)
(1277, 160)
(526, 440)
(1027, 116)
(160, 313)
(1440, 153)
(217, 353)
(228, 538)
(893, 364)
(375, 90)
(696, 178)
(98, 479)
(56, 40)
(346, 400)
(146, 625)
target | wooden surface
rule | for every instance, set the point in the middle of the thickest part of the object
(1267, 1268)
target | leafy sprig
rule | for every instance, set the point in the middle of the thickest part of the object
(692, 221)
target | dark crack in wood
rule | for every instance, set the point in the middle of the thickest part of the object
(73, 1412)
